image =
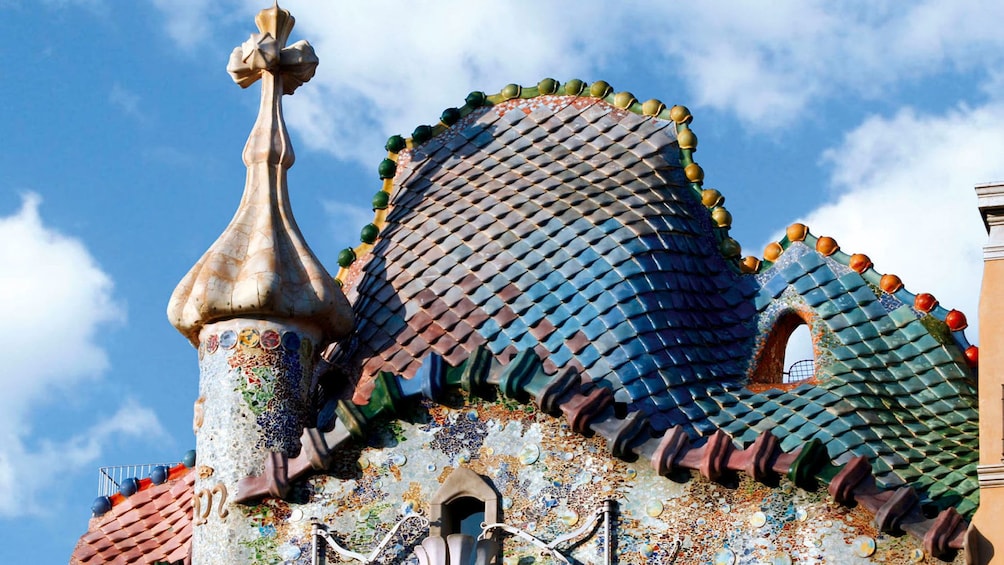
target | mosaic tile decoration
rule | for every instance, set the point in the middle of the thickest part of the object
(487, 430)
(269, 370)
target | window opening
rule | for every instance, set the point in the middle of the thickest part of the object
(798, 356)
(462, 504)
(465, 516)
(787, 358)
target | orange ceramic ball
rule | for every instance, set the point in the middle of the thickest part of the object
(925, 302)
(750, 264)
(772, 251)
(890, 283)
(972, 356)
(860, 262)
(796, 232)
(827, 245)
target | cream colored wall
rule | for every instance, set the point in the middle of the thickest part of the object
(991, 341)
(985, 541)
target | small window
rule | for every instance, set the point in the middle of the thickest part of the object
(799, 362)
(787, 358)
(465, 516)
(462, 504)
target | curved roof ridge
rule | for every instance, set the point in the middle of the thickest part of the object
(924, 303)
(600, 90)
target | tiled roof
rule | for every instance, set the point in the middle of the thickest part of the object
(562, 224)
(576, 226)
(542, 234)
(892, 380)
(153, 525)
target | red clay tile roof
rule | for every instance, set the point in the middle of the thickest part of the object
(154, 525)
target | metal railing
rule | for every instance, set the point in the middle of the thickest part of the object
(110, 478)
(799, 371)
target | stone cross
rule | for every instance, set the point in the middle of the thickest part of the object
(266, 52)
(282, 70)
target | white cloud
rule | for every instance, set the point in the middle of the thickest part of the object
(769, 66)
(55, 300)
(388, 67)
(903, 194)
(128, 102)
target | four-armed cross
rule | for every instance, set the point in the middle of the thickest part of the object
(283, 69)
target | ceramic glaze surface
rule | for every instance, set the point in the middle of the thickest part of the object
(254, 385)
(552, 493)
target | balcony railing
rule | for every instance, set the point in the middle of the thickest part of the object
(799, 371)
(110, 478)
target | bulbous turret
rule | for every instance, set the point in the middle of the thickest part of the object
(261, 267)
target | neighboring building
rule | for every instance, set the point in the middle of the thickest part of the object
(550, 350)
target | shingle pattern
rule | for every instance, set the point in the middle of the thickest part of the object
(153, 525)
(568, 229)
(894, 391)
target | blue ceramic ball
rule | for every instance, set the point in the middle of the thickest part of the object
(159, 474)
(101, 505)
(129, 487)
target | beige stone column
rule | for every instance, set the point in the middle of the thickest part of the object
(985, 542)
(258, 306)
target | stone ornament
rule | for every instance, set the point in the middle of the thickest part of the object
(198, 414)
(261, 267)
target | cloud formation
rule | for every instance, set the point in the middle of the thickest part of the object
(383, 74)
(55, 300)
(769, 69)
(903, 194)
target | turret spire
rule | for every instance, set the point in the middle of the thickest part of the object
(258, 305)
(261, 266)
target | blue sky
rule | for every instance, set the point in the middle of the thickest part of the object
(122, 133)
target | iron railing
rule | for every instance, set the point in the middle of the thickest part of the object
(110, 478)
(799, 371)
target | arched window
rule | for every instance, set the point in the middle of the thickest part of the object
(787, 358)
(799, 359)
(464, 516)
(465, 500)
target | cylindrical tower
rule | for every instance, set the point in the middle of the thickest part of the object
(257, 305)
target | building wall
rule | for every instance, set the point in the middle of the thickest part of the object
(550, 481)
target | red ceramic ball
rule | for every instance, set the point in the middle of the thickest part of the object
(956, 321)
(972, 356)
(925, 302)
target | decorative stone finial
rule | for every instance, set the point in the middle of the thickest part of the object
(261, 267)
